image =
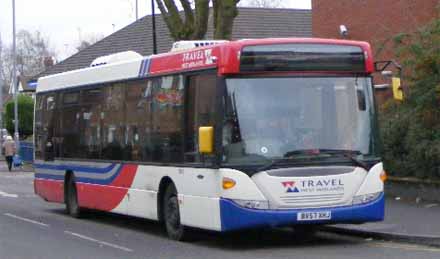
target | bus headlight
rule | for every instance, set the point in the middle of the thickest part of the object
(361, 199)
(251, 204)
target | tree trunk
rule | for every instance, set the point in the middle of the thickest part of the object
(202, 16)
(171, 17)
(225, 12)
(196, 21)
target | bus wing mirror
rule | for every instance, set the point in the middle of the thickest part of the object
(206, 140)
(397, 89)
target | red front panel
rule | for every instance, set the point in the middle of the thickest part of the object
(106, 197)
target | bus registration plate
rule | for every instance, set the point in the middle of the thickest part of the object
(315, 215)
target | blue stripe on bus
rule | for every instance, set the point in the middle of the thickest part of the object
(141, 68)
(146, 67)
(76, 168)
(235, 217)
(49, 176)
(101, 181)
(81, 179)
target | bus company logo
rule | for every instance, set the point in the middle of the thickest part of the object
(193, 56)
(208, 58)
(290, 186)
(197, 58)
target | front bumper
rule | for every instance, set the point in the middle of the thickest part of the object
(234, 217)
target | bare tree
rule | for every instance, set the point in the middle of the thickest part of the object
(225, 12)
(2, 75)
(5, 67)
(3, 81)
(88, 41)
(262, 3)
(31, 51)
(193, 22)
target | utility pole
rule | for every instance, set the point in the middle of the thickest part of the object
(153, 21)
(14, 79)
(2, 80)
(137, 13)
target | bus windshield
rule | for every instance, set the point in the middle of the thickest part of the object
(273, 117)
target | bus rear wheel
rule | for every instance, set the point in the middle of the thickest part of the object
(171, 215)
(72, 206)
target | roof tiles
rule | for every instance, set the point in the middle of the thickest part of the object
(250, 23)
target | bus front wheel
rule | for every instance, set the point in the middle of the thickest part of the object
(171, 215)
(72, 206)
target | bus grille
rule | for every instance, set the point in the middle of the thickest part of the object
(311, 200)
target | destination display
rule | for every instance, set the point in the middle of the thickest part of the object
(302, 57)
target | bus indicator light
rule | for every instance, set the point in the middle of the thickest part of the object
(228, 183)
(383, 176)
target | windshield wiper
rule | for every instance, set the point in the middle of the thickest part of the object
(291, 157)
(271, 164)
(302, 152)
(350, 154)
(315, 153)
(358, 162)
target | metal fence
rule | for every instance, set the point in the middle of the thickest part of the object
(26, 151)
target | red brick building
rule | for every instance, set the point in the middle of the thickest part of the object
(375, 21)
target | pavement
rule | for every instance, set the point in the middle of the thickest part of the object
(412, 221)
(26, 167)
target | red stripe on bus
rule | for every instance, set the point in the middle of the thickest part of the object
(106, 197)
(50, 190)
(126, 176)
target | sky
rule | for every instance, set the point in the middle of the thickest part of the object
(65, 22)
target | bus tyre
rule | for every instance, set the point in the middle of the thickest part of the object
(171, 215)
(72, 198)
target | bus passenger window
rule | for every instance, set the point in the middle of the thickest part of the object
(50, 103)
(167, 116)
(112, 117)
(69, 124)
(39, 127)
(49, 126)
(138, 120)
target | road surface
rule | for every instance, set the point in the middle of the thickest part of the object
(33, 228)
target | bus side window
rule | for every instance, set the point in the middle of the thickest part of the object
(200, 111)
(112, 122)
(69, 124)
(138, 120)
(167, 108)
(50, 126)
(89, 123)
(39, 127)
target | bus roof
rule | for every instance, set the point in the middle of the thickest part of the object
(223, 56)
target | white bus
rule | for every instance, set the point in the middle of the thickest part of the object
(227, 136)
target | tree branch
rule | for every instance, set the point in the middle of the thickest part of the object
(189, 15)
(224, 18)
(171, 16)
(202, 16)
